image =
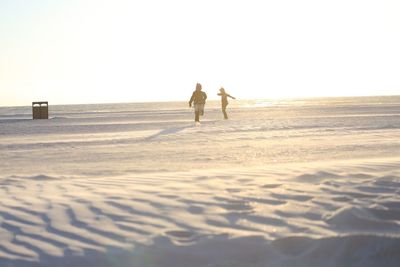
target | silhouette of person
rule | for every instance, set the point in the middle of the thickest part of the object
(199, 100)
(224, 101)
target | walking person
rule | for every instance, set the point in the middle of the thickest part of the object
(224, 101)
(199, 100)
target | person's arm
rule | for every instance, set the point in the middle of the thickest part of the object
(231, 96)
(219, 94)
(191, 100)
(204, 96)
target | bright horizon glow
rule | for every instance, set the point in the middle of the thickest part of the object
(87, 51)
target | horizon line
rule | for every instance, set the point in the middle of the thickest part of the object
(211, 99)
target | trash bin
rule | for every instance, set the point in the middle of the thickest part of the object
(40, 110)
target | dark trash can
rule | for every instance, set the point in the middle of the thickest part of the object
(40, 110)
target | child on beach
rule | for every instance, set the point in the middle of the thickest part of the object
(199, 99)
(224, 101)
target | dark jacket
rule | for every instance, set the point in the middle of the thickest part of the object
(198, 97)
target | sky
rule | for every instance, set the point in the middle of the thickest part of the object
(106, 51)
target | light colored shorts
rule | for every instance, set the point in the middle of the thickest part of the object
(199, 108)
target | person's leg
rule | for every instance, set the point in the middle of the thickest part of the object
(224, 111)
(201, 109)
(196, 113)
(225, 115)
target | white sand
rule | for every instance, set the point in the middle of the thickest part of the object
(76, 192)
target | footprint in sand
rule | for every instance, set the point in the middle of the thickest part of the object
(195, 210)
(271, 185)
(181, 235)
(233, 190)
(233, 204)
(238, 206)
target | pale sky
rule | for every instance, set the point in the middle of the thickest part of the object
(94, 51)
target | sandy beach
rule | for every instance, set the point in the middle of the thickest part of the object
(282, 183)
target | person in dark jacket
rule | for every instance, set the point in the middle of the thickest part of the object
(224, 101)
(199, 100)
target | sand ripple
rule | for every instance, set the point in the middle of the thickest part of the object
(291, 216)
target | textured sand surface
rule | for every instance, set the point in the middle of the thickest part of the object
(301, 184)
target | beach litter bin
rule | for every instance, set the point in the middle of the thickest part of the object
(40, 110)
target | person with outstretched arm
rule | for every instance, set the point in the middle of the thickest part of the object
(224, 101)
(199, 100)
